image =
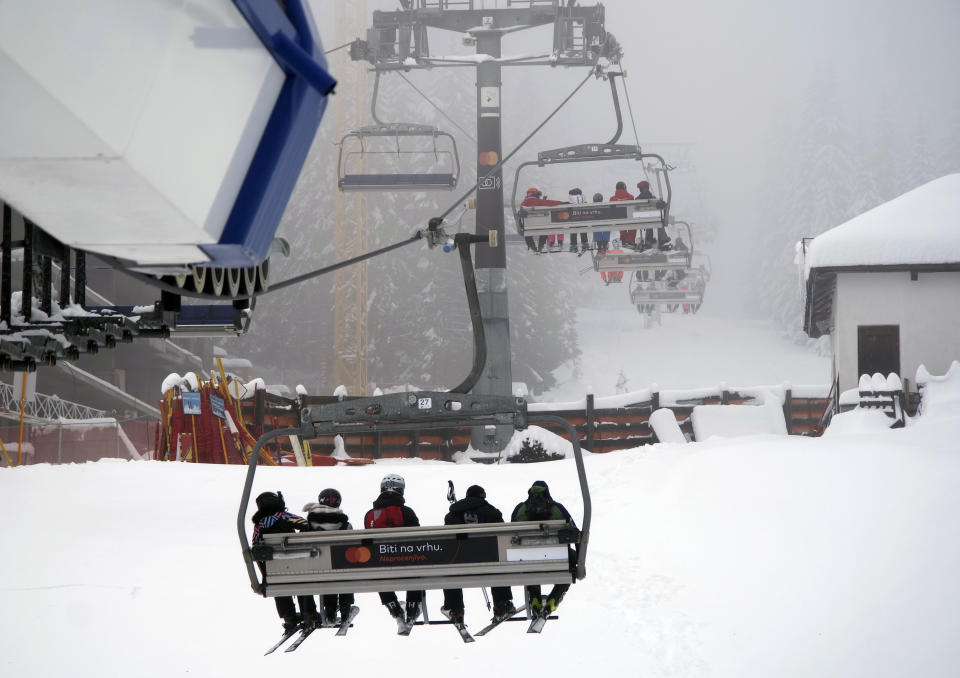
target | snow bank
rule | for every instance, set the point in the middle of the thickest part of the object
(665, 426)
(940, 395)
(732, 421)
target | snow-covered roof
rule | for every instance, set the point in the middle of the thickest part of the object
(921, 227)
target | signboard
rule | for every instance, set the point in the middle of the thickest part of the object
(216, 406)
(406, 553)
(575, 214)
(31, 392)
(191, 403)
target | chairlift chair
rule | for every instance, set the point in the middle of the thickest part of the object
(602, 216)
(455, 556)
(408, 156)
(401, 165)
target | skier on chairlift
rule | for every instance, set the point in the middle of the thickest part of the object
(601, 238)
(390, 510)
(539, 505)
(663, 240)
(576, 197)
(628, 237)
(535, 199)
(272, 518)
(326, 514)
(473, 509)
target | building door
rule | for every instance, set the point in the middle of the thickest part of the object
(878, 349)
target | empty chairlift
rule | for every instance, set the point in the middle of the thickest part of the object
(398, 156)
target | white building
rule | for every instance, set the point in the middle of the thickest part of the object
(886, 285)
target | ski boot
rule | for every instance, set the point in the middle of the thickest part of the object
(291, 623)
(310, 621)
(456, 616)
(413, 611)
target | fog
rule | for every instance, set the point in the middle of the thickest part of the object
(783, 120)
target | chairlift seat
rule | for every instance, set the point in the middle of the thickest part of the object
(591, 217)
(418, 558)
(398, 182)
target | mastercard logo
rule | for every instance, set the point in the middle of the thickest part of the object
(488, 158)
(563, 216)
(357, 554)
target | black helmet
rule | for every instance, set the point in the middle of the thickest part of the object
(598, 197)
(477, 492)
(330, 497)
(271, 501)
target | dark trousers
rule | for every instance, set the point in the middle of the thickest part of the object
(284, 604)
(453, 598)
(391, 597)
(285, 607)
(332, 601)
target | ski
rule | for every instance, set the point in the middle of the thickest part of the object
(536, 626)
(403, 628)
(459, 626)
(287, 635)
(345, 623)
(496, 621)
(302, 637)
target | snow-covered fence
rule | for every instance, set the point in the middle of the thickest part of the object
(878, 392)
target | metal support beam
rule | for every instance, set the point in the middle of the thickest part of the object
(491, 263)
(6, 263)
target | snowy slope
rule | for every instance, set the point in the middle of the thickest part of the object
(735, 557)
(683, 352)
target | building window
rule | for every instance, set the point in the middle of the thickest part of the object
(878, 349)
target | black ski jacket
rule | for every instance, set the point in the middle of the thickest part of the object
(472, 510)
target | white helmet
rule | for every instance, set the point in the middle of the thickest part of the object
(393, 483)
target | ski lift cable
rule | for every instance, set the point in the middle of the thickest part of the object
(442, 112)
(500, 164)
(331, 51)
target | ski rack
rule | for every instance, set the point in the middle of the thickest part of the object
(416, 558)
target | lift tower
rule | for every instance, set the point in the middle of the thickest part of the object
(398, 41)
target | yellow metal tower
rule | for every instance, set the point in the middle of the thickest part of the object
(350, 235)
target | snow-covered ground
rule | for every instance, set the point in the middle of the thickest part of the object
(752, 556)
(733, 557)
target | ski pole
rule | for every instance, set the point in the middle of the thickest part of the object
(451, 493)
(486, 598)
